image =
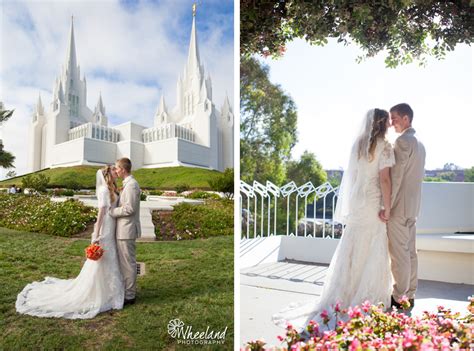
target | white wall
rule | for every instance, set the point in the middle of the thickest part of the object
(99, 151)
(67, 153)
(446, 208)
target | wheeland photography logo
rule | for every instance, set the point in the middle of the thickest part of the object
(184, 333)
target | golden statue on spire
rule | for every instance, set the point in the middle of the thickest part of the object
(194, 9)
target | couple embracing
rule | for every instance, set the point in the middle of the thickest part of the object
(378, 202)
(105, 284)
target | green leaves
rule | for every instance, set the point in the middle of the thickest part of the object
(268, 124)
(408, 31)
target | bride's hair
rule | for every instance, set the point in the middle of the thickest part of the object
(378, 130)
(109, 180)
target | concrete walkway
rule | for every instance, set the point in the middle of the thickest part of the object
(146, 208)
(267, 288)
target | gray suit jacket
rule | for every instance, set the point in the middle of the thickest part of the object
(407, 175)
(128, 211)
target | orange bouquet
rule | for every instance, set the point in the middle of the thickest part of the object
(94, 252)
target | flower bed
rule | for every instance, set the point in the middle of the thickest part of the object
(190, 221)
(370, 328)
(39, 214)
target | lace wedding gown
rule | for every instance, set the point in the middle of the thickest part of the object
(360, 267)
(97, 288)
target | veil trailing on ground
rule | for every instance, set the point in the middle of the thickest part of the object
(349, 190)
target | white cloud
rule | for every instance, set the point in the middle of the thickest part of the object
(131, 55)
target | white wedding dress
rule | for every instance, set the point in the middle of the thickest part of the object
(98, 287)
(360, 267)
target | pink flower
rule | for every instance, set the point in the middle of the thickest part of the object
(324, 314)
(289, 326)
(366, 306)
(280, 338)
(355, 345)
(337, 308)
(354, 312)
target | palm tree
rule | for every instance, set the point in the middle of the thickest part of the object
(6, 158)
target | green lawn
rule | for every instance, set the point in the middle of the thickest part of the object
(148, 178)
(190, 280)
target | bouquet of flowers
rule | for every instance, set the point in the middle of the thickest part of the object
(94, 252)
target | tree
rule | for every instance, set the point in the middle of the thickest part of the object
(405, 30)
(6, 158)
(37, 182)
(268, 124)
(451, 167)
(224, 183)
(10, 174)
(469, 174)
(306, 169)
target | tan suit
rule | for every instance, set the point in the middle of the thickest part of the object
(128, 229)
(407, 177)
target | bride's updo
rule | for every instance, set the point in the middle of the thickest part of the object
(379, 129)
(111, 185)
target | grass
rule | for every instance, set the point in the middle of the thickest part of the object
(190, 280)
(149, 178)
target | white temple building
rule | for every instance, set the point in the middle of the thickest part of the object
(194, 133)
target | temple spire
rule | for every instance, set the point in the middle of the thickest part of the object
(100, 105)
(39, 105)
(162, 107)
(193, 54)
(71, 60)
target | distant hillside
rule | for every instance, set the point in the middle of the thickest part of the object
(83, 177)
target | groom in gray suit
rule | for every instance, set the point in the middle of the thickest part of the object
(128, 227)
(407, 177)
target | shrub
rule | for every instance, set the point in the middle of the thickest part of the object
(224, 183)
(369, 328)
(39, 214)
(38, 182)
(202, 195)
(182, 188)
(155, 192)
(143, 196)
(191, 221)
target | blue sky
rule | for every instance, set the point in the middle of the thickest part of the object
(333, 93)
(130, 51)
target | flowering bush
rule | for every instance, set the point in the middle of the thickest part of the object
(39, 214)
(202, 195)
(368, 327)
(191, 221)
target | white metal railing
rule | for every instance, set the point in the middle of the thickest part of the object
(168, 131)
(267, 210)
(94, 131)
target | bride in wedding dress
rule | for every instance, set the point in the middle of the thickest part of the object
(360, 267)
(99, 285)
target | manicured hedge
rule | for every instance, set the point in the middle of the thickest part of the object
(191, 221)
(39, 214)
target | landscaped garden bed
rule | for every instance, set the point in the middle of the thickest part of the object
(38, 214)
(190, 221)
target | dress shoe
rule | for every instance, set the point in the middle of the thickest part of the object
(129, 302)
(412, 303)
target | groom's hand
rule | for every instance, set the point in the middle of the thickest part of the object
(382, 216)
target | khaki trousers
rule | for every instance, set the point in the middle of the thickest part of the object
(404, 259)
(128, 266)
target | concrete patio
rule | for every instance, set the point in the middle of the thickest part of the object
(266, 288)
